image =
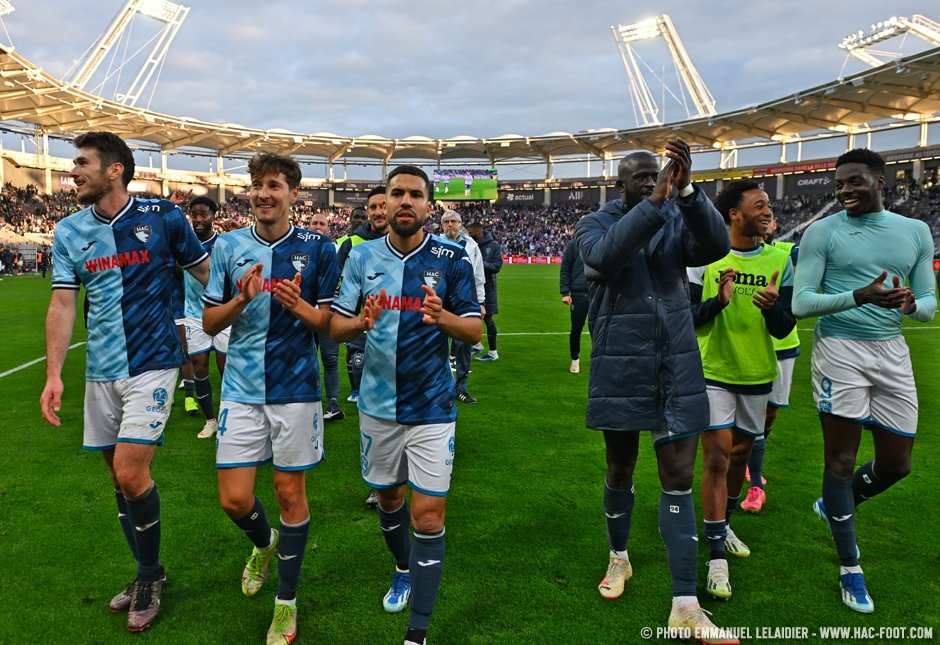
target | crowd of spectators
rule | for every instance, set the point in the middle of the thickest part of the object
(535, 230)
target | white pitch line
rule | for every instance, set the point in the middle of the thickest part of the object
(31, 363)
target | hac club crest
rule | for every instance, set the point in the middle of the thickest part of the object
(160, 396)
(143, 232)
(432, 277)
(300, 261)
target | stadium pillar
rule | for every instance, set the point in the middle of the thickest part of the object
(922, 135)
(603, 195)
(164, 184)
(779, 187)
(46, 165)
(547, 197)
(220, 193)
(917, 172)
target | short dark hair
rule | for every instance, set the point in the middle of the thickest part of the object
(358, 209)
(378, 190)
(266, 163)
(730, 196)
(478, 225)
(415, 172)
(205, 201)
(112, 149)
(873, 160)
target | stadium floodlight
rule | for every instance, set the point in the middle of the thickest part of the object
(858, 44)
(170, 13)
(162, 10)
(6, 7)
(645, 108)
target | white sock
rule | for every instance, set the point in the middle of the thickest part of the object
(845, 570)
(685, 602)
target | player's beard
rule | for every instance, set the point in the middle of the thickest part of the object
(406, 230)
(94, 193)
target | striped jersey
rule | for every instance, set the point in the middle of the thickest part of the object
(406, 377)
(127, 265)
(271, 353)
(194, 288)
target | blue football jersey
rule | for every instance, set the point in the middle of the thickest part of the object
(271, 353)
(406, 377)
(126, 265)
(194, 288)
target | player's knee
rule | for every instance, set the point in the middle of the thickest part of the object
(841, 465)
(428, 521)
(236, 503)
(132, 482)
(618, 474)
(716, 460)
(894, 472)
(290, 495)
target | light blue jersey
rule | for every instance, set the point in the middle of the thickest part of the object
(406, 376)
(194, 288)
(839, 254)
(126, 265)
(271, 354)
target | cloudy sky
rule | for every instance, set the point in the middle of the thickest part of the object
(442, 69)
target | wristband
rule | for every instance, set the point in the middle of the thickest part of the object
(688, 190)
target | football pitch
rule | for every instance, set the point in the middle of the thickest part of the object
(480, 189)
(526, 543)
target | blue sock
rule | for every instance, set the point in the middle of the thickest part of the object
(395, 528)
(715, 533)
(756, 462)
(143, 512)
(840, 509)
(204, 397)
(129, 533)
(730, 508)
(677, 528)
(427, 564)
(290, 555)
(255, 525)
(618, 508)
(866, 484)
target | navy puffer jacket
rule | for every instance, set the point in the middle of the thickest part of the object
(646, 370)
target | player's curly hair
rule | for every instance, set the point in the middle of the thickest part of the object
(873, 160)
(266, 163)
(731, 194)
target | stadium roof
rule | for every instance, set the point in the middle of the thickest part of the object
(905, 89)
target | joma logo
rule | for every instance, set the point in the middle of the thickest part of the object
(749, 279)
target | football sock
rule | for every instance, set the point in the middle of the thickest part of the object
(427, 564)
(618, 508)
(358, 359)
(416, 636)
(731, 507)
(677, 528)
(144, 515)
(840, 508)
(866, 484)
(395, 526)
(290, 555)
(331, 380)
(204, 397)
(188, 387)
(129, 533)
(715, 534)
(255, 525)
(756, 462)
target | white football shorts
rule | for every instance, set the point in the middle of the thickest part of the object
(128, 410)
(392, 454)
(199, 342)
(868, 381)
(746, 412)
(780, 394)
(289, 434)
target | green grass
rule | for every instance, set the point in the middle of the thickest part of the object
(480, 189)
(525, 528)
